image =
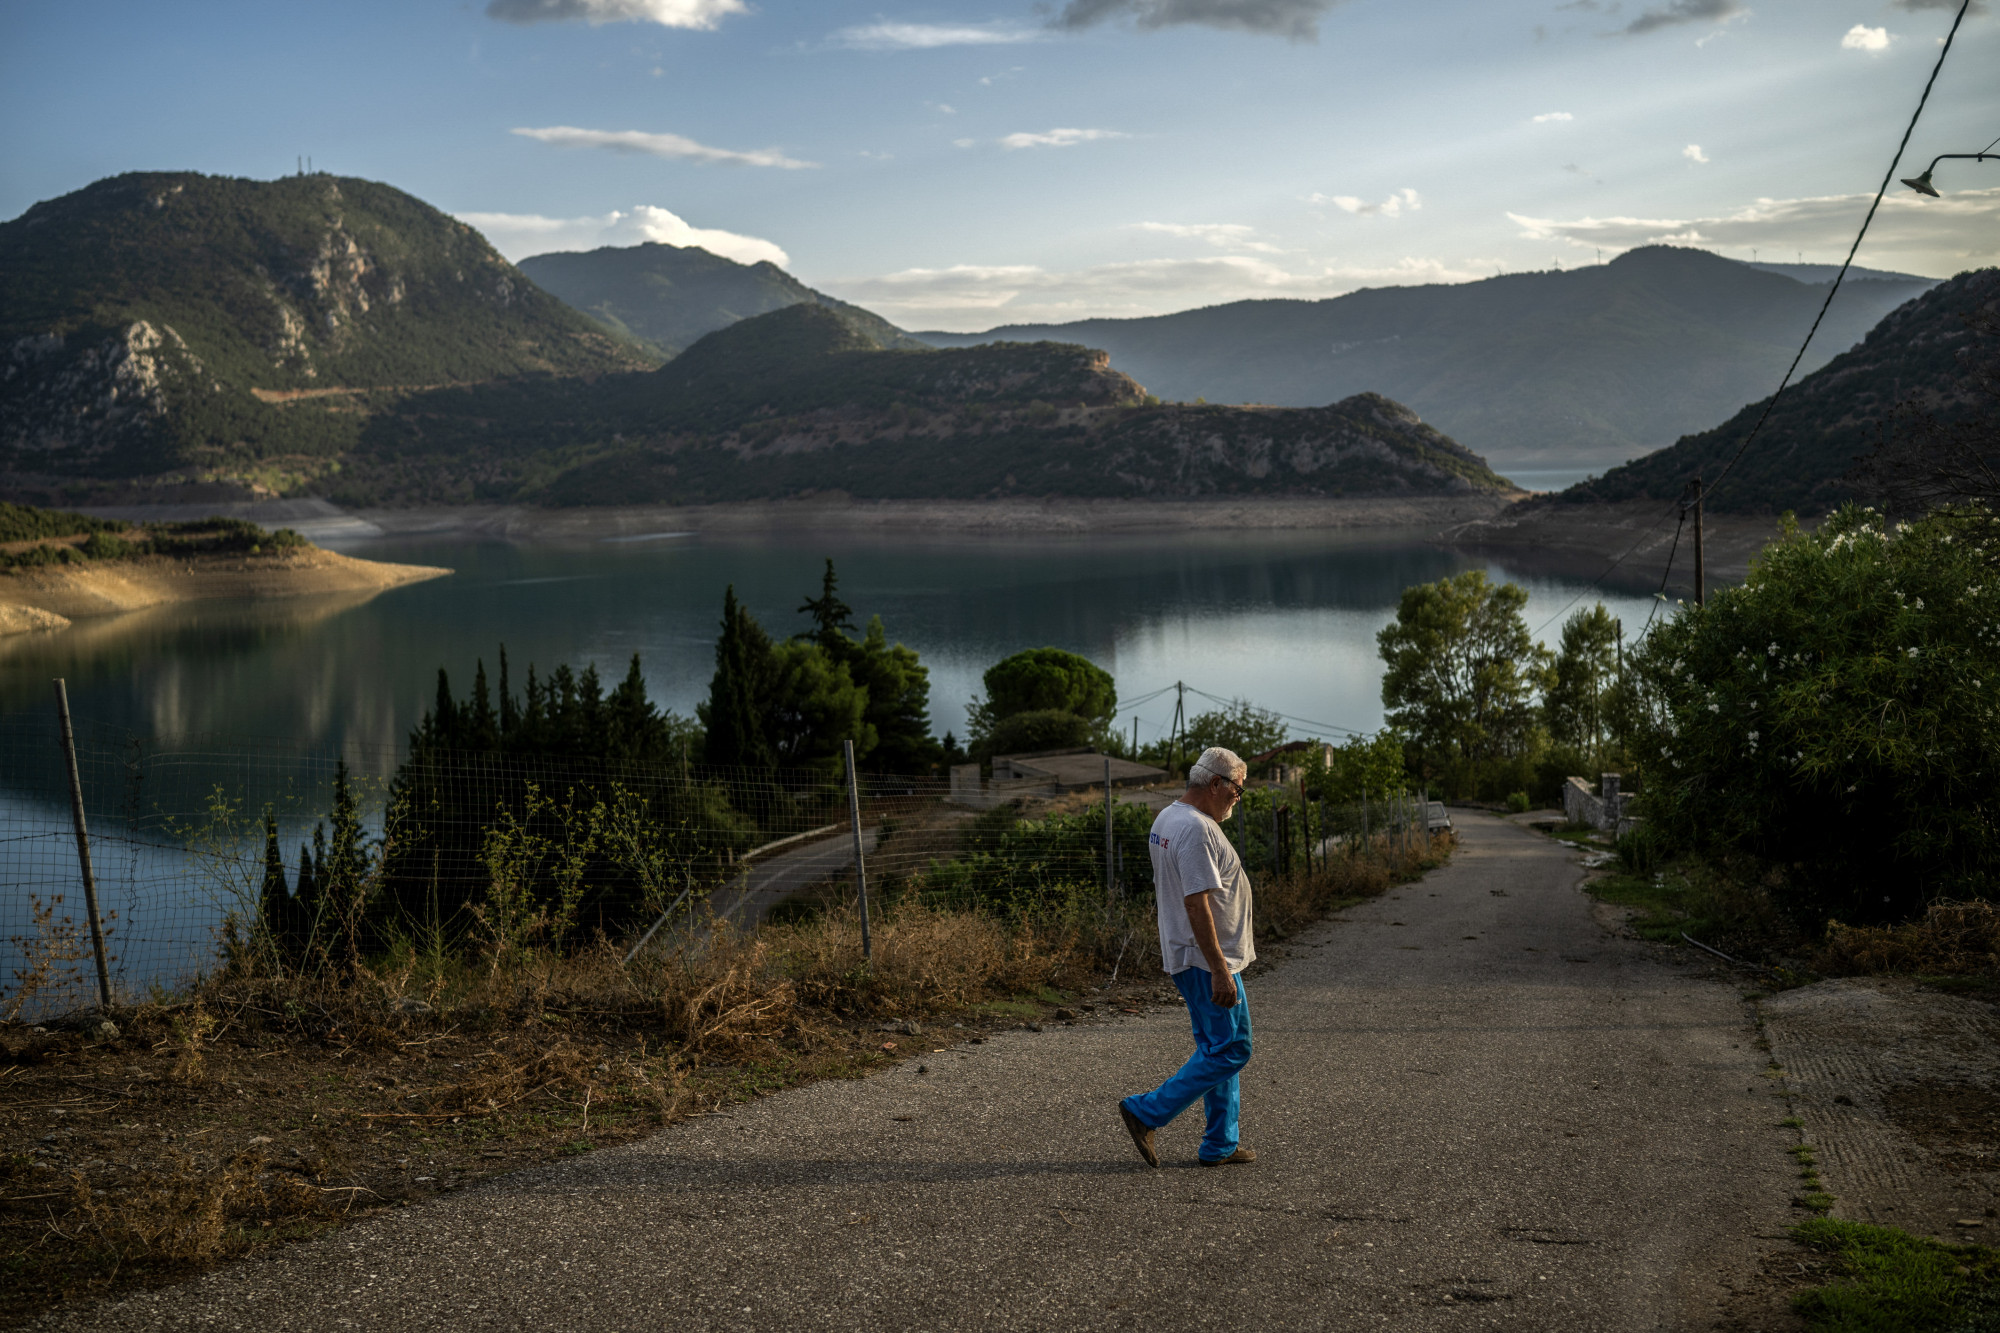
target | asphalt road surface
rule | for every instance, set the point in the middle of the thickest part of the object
(1476, 1108)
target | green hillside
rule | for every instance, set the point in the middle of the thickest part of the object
(1827, 420)
(671, 296)
(1581, 368)
(805, 400)
(148, 312)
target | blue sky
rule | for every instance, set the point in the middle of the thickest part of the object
(958, 165)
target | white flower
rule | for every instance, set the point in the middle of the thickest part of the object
(1715, 708)
(1913, 652)
(1754, 735)
(1919, 603)
(1772, 651)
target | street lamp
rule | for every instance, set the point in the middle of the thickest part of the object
(1922, 184)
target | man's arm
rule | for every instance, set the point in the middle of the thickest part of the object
(1222, 985)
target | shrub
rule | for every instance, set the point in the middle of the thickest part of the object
(1831, 722)
(1040, 729)
(103, 546)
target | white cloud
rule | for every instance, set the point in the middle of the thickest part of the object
(926, 36)
(973, 296)
(518, 235)
(1860, 37)
(1910, 233)
(658, 145)
(1398, 203)
(1059, 138)
(1693, 153)
(1548, 116)
(1294, 19)
(1222, 235)
(698, 14)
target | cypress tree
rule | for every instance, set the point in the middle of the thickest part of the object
(733, 715)
(304, 917)
(507, 715)
(274, 902)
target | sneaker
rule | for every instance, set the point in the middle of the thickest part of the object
(1241, 1157)
(1142, 1136)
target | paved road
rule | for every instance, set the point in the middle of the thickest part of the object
(776, 876)
(1476, 1109)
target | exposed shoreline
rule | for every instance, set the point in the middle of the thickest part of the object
(1640, 534)
(841, 514)
(1526, 530)
(50, 597)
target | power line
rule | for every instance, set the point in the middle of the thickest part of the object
(1772, 402)
(1887, 176)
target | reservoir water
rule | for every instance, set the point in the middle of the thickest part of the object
(1285, 619)
(257, 699)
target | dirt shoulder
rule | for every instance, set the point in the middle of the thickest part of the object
(37, 597)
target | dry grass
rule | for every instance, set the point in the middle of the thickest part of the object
(263, 1108)
(1960, 939)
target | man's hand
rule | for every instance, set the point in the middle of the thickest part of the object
(1222, 986)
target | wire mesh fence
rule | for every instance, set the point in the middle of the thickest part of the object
(209, 850)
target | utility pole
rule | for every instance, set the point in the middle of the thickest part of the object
(1180, 718)
(1700, 568)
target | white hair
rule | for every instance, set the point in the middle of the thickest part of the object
(1216, 762)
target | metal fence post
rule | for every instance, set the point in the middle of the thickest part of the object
(860, 865)
(83, 846)
(1110, 882)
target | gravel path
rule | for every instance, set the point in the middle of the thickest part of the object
(1475, 1107)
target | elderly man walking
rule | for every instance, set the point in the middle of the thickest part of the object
(1204, 904)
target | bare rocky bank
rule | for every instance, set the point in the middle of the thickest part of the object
(49, 597)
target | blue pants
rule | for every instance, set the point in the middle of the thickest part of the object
(1221, 1049)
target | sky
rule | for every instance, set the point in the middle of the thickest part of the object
(964, 165)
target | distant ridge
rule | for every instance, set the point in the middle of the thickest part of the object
(1582, 368)
(807, 401)
(670, 296)
(1826, 421)
(1819, 273)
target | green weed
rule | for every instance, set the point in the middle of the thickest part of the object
(1892, 1282)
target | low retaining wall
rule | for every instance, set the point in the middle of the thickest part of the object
(1602, 809)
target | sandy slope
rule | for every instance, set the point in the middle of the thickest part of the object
(51, 596)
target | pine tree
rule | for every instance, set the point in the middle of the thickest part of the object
(834, 618)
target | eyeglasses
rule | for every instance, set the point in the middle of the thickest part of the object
(1232, 782)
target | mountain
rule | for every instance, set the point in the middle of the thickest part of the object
(1827, 273)
(671, 295)
(1828, 420)
(1580, 368)
(808, 400)
(194, 326)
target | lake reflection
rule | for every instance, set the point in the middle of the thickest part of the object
(1285, 619)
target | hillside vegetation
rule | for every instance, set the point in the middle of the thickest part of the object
(1827, 421)
(1583, 368)
(804, 400)
(169, 322)
(670, 295)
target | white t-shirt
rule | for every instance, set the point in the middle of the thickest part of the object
(1191, 854)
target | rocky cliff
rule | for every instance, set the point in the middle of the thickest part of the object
(175, 323)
